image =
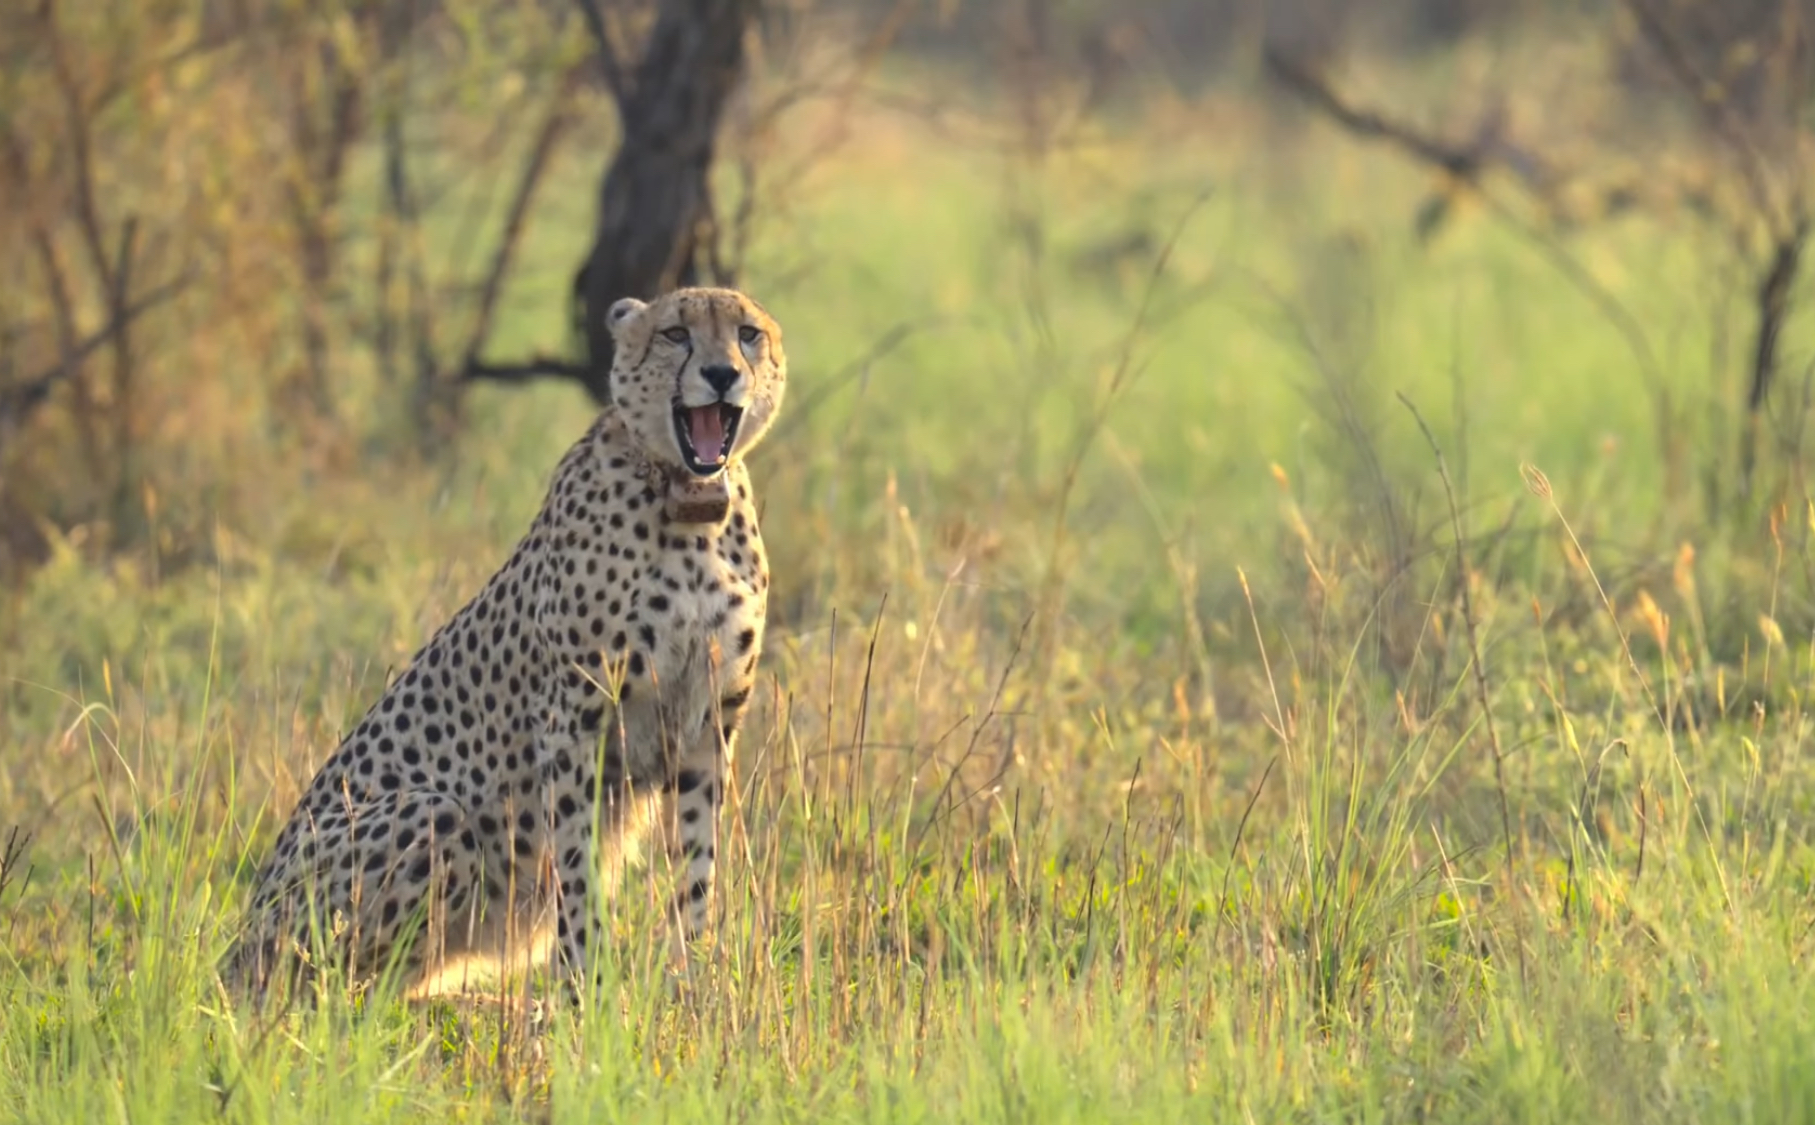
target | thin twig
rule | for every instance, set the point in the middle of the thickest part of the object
(1121, 377)
(971, 747)
(857, 368)
(1474, 650)
(1241, 827)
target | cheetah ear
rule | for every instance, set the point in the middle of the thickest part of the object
(621, 311)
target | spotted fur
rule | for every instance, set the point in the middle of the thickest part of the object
(483, 809)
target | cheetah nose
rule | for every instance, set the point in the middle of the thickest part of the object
(719, 377)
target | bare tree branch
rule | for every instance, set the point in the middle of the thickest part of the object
(1786, 221)
(1773, 306)
(119, 294)
(19, 399)
(540, 367)
(394, 28)
(1465, 163)
(78, 120)
(655, 200)
(655, 211)
(1773, 303)
(1469, 164)
(610, 66)
(63, 305)
(1723, 122)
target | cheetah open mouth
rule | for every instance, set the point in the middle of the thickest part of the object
(706, 434)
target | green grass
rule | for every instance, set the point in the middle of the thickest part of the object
(1172, 801)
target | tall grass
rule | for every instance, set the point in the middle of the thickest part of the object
(1209, 824)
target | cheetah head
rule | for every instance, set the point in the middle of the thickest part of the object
(698, 375)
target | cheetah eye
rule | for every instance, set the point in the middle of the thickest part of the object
(676, 334)
(749, 334)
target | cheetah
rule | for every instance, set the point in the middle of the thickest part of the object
(588, 696)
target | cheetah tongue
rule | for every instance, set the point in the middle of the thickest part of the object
(706, 429)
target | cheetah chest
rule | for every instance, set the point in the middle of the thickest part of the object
(704, 634)
(697, 626)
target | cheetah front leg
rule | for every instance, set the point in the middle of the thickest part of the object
(595, 823)
(574, 826)
(698, 792)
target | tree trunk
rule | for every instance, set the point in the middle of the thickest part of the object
(655, 206)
